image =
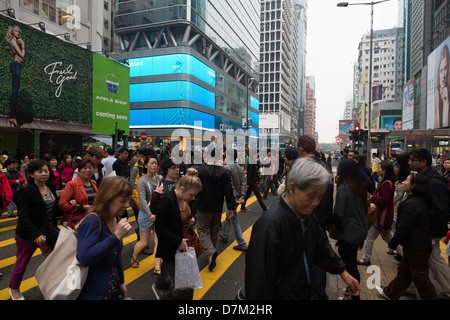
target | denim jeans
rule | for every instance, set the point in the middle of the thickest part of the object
(15, 69)
(237, 230)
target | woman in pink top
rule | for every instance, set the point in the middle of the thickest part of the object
(67, 168)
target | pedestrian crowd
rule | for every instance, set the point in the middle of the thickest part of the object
(181, 204)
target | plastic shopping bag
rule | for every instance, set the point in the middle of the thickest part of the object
(187, 274)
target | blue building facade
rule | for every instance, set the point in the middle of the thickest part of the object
(193, 65)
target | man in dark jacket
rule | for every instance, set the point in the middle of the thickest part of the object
(216, 182)
(438, 213)
(306, 147)
(121, 165)
(253, 179)
(287, 241)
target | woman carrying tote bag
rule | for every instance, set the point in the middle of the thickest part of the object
(37, 208)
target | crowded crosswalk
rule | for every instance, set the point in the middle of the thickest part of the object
(138, 280)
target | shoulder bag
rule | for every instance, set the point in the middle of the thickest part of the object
(61, 276)
(372, 214)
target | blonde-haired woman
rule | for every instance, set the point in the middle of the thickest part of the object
(100, 241)
(174, 215)
(17, 45)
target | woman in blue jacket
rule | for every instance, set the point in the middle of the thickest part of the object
(100, 241)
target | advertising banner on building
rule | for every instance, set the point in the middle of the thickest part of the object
(408, 105)
(344, 127)
(45, 78)
(111, 96)
(391, 122)
(438, 87)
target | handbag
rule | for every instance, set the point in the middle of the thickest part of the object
(194, 242)
(61, 276)
(187, 274)
(372, 215)
(190, 234)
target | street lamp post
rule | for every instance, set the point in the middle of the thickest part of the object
(369, 107)
(248, 83)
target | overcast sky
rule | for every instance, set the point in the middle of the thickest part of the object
(332, 47)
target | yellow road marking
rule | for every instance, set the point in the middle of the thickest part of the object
(145, 265)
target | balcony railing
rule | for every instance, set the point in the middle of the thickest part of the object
(46, 11)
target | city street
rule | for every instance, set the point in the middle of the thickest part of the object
(221, 284)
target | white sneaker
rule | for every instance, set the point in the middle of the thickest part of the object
(12, 298)
(381, 292)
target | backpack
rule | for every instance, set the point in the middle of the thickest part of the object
(61, 276)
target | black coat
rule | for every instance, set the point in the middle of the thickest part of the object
(168, 227)
(439, 206)
(367, 178)
(412, 229)
(216, 185)
(324, 209)
(275, 262)
(32, 214)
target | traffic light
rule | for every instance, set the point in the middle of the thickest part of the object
(354, 135)
(120, 134)
(363, 134)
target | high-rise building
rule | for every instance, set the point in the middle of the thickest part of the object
(387, 70)
(387, 66)
(348, 110)
(302, 10)
(109, 37)
(77, 21)
(193, 65)
(310, 107)
(279, 65)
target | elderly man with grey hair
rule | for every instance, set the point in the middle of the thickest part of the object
(287, 241)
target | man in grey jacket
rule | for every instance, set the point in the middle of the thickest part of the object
(238, 183)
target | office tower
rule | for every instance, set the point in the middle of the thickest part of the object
(310, 107)
(279, 66)
(193, 65)
(302, 10)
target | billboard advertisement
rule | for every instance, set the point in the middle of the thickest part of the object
(391, 122)
(111, 96)
(438, 87)
(269, 120)
(45, 78)
(408, 105)
(344, 127)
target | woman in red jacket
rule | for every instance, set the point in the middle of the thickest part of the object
(382, 200)
(78, 195)
(5, 192)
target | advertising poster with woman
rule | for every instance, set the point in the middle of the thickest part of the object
(42, 77)
(46, 79)
(438, 87)
(408, 105)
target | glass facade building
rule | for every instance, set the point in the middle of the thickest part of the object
(190, 61)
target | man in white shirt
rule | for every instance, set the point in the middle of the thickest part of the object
(109, 160)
